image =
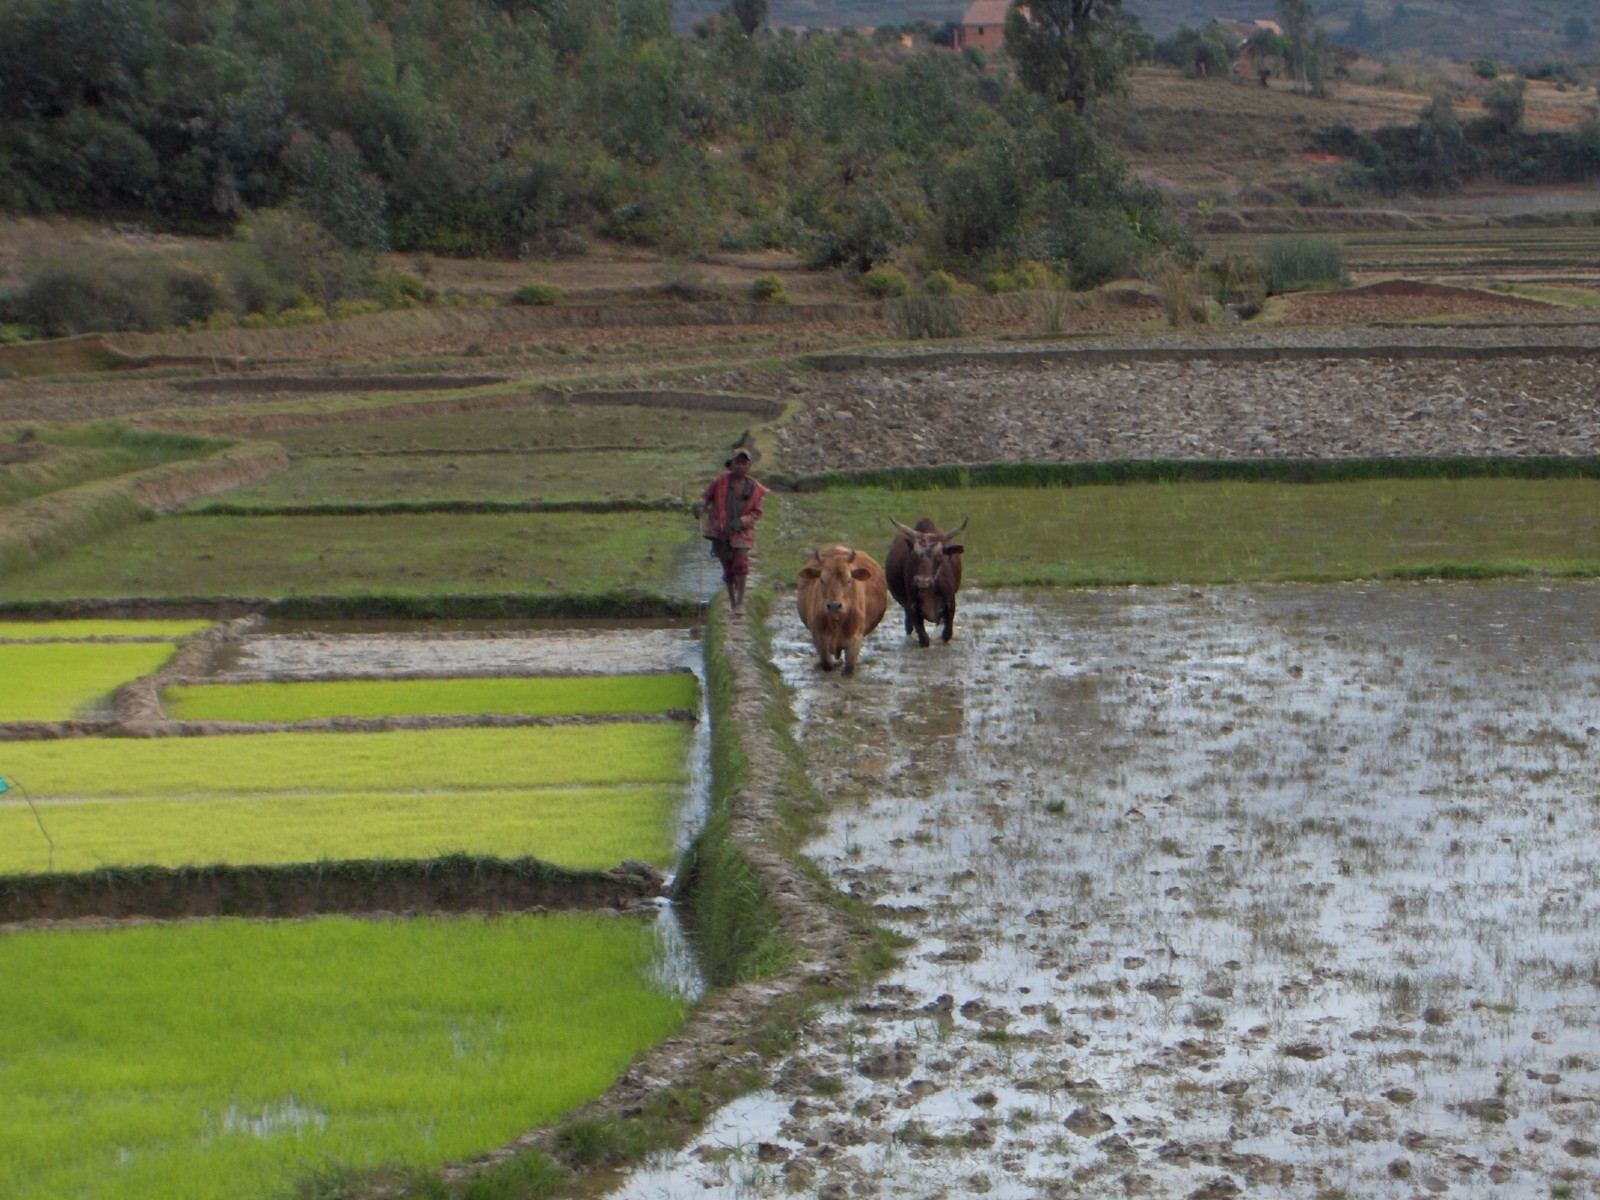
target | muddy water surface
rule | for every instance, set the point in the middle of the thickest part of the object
(1278, 891)
(347, 649)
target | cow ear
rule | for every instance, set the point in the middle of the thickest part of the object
(861, 574)
(810, 573)
(954, 549)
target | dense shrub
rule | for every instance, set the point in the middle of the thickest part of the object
(938, 283)
(92, 294)
(537, 293)
(885, 283)
(768, 289)
(1295, 263)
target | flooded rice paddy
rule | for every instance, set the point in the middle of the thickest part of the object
(1288, 891)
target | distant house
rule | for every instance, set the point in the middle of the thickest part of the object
(983, 26)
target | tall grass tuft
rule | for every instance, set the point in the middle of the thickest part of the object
(917, 317)
(1297, 263)
(1183, 295)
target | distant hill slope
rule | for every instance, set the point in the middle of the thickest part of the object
(1529, 31)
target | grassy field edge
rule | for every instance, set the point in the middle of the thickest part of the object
(1137, 471)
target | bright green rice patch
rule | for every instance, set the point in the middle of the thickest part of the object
(56, 681)
(1225, 531)
(411, 555)
(587, 696)
(216, 1061)
(578, 828)
(74, 630)
(409, 761)
(627, 476)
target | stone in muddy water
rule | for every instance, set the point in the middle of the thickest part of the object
(1163, 988)
(771, 1152)
(1400, 1168)
(1400, 1095)
(1309, 1051)
(1491, 1108)
(1580, 1147)
(897, 1063)
(1221, 1188)
(986, 1099)
(1088, 1122)
(1234, 1087)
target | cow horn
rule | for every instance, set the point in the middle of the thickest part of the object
(852, 557)
(910, 533)
(952, 533)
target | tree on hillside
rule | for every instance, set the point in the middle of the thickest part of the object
(1505, 103)
(1298, 19)
(1069, 50)
(751, 14)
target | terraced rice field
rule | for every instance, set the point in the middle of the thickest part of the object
(541, 696)
(583, 796)
(230, 1058)
(58, 681)
(622, 476)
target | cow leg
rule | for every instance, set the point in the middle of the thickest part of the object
(850, 652)
(922, 630)
(909, 620)
(949, 623)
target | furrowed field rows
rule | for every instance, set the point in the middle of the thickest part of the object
(592, 695)
(57, 681)
(538, 426)
(578, 828)
(216, 1060)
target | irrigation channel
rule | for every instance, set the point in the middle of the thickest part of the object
(1283, 891)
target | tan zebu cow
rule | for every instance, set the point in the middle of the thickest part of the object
(842, 597)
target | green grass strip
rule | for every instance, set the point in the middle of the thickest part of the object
(577, 828)
(217, 1060)
(543, 697)
(408, 761)
(1226, 531)
(56, 681)
(171, 630)
(1130, 471)
(431, 555)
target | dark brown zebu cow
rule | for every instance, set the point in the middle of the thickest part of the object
(924, 570)
(842, 597)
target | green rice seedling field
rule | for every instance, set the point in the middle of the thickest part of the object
(574, 795)
(1225, 531)
(424, 554)
(591, 828)
(617, 477)
(167, 630)
(409, 760)
(57, 681)
(539, 425)
(550, 696)
(221, 1060)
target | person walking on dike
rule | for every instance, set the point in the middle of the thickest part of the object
(728, 510)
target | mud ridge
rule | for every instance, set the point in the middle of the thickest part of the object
(456, 884)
